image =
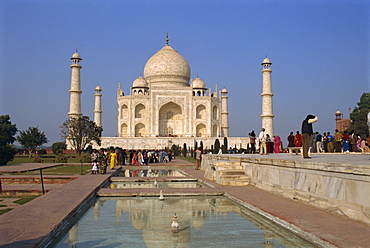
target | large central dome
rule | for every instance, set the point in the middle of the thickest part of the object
(167, 68)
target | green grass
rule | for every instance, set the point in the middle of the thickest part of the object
(20, 159)
(21, 201)
(3, 211)
(60, 170)
(25, 199)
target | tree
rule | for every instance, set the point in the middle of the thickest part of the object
(7, 132)
(359, 116)
(225, 146)
(217, 146)
(184, 150)
(31, 138)
(80, 132)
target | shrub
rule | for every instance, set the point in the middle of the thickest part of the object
(58, 146)
(42, 152)
(217, 146)
(60, 158)
(37, 159)
(184, 150)
(7, 153)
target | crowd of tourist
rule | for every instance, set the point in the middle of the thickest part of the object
(320, 143)
(112, 157)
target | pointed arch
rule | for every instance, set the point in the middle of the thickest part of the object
(215, 113)
(201, 130)
(140, 130)
(124, 112)
(171, 120)
(200, 112)
(124, 131)
(140, 111)
(215, 131)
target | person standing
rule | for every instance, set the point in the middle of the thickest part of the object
(262, 139)
(330, 142)
(298, 140)
(198, 157)
(307, 131)
(318, 142)
(325, 142)
(277, 143)
(338, 141)
(345, 141)
(113, 160)
(252, 142)
(352, 141)
(291, 140)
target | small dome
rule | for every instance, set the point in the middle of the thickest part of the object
(167, 67)
(266, 61)
(76, 55)
(224, 91)
(140, 82)
(98, 88)
(338, 112)
(198, 83)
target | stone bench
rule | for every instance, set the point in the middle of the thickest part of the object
(295, 150)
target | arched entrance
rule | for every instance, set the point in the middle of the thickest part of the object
(124, 130)
(171, 120)
(140, 130)
(201, 130)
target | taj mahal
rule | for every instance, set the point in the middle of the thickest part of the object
(165, 107)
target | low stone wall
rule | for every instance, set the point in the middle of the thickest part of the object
(336, 187)
(162, 142)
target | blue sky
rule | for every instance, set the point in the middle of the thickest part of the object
(318, 49)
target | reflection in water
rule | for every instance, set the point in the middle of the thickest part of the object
(160, 185)
(146, 222)
(150, 173)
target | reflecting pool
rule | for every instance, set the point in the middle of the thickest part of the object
(159, 184)
(146, 222)
(150, 173)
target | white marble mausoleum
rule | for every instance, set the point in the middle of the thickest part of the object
(165, 107)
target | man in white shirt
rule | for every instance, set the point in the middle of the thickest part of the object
(262, 138)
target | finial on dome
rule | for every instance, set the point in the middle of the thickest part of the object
(167, 40)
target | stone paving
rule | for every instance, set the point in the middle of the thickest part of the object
(29, 224)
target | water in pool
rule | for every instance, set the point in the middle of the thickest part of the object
(159, 184)
(146, 222)
(150, 173)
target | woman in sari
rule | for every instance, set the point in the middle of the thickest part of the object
(113, 160)
(134, 159)
(277, 144)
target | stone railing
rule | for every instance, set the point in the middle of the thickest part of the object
(336, 187)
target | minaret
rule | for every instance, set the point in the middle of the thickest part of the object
(97, 110)
(75, 91)
(224, 114)
(267, 116)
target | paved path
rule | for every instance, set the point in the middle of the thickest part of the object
(29, 224)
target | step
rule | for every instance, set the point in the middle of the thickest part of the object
(234, 183)
(234, 177)
(229, 167)
(232, 172)
(227, 162)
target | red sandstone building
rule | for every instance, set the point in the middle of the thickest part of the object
(340, 123)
